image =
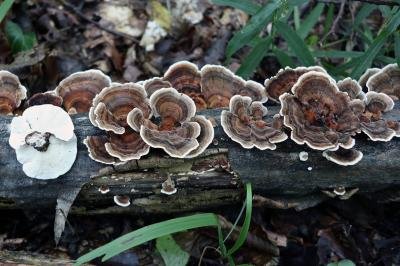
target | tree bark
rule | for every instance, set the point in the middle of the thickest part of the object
(204, 182)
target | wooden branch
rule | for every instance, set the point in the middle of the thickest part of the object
(203, 182)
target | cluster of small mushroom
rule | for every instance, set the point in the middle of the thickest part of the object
(326, 115)
(161, 112)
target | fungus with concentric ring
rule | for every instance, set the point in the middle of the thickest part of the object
(11, 92)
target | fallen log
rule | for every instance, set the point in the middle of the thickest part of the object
(211, 180)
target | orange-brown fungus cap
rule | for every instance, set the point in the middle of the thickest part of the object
(112, 105)
(244, 124)
(319, 114)
(219, 85)
(185, 77)
(387, 81)
(79, 89)
(11, 93)
(284, 80)
(44, 98)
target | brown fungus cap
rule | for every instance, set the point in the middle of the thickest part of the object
(352, 88)
(343, 157)
(372, 122)
(175, 133)
(127, 146)
(112, 105)
(219, 85)
(318, 113)
(97, 150)
(44, 98)
(364, 77)
(284, 80)
(387, 81)
(11, 93)
(154, 84)
(206, 135)
(79, 89)
(244, 124)
(185, 77)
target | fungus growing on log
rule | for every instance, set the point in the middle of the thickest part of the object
(44, 98)
(79, 89)
(364, 77)
(168, 187)
(154, 84)
(111, 106)
(109, 112)
(319, 114)
(44, 141)
(343, 157)
(284, 80)
(219, 85)
(97, 150)
(175, 133)
(244, 124)
(386, 80)
(372, 123)
(352, 88)
(11, 93)
(123, 201)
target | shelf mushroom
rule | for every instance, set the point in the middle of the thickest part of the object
(109, 112)
(178, 132)
(44, 98)
(372, 122)
(79, 89)
(284, 80)
(11, 93)
(244, 124)
(210, 87)
(364, 77)
(386, 80)
(44, 141)
(343, 157)
(318, 114)
(352, 88)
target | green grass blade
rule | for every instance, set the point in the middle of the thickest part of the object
(4, 7)
(148, 233)
(365, 61)
(329, 18)
(283, 58)
(397, 47)
(253, 27)
(246, 224)
(295, 43)
(309, 22)
(171, 252)
(363, 13)
(253, 59)
(245, 5)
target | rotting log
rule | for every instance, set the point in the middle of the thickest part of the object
(202, 182)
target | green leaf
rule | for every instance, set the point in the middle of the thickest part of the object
(245, 5)
(4, 7)
(310, 21)
(283, 58)
(171, 253)
(19, 40)
(363, 13)
(254, 58)
(151, 232)
(246, 224)
(253, 27)
(295, 43)
(397, 47)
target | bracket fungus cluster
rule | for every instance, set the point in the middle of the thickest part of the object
(134, 123)
(44, 141)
